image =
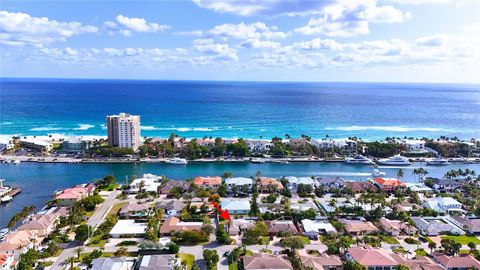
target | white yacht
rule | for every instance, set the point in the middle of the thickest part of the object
(396, 160)
(257, 160)
(176, 161)
(439, 161)
(359, 159)
(377, 173)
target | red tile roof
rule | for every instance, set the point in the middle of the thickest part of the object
(389, 182)
(208, 181)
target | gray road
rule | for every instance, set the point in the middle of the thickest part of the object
(68, 251)
(101, 211)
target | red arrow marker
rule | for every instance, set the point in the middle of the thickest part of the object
(223, 213)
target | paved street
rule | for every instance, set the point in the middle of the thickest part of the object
(102, 210)
(68, 252)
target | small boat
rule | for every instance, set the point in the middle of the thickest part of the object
(359, 159)
(396, 160)
(16, 161)
(6, 199)
(176, 161)
(257, 160)
(377, 173)
(439, 161)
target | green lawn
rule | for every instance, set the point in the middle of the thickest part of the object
(233, 266)
(463, 239)
(101, 242)
(305, 239)
(116, 208)
(420, 252)
(264, 240)
(249, 253)
(187, 259)
(110, 187)
(389, 240)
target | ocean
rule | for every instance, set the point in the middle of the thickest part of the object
(40, 180)
(370, 111)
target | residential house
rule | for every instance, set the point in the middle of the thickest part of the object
(208, 182)
(238, 226)
(128, 227)
(294, 182)
(264, 261)
(205, 142)
(330, 183)
(18, 242)
(431, 226)
(345, 144)
(414, 146)
(7, 262)
(135, 210)
(173, 224)
(157, 262)
(271, 208)
(388, 184)
(322, 261)
(422, 263)
(303, 206)
(167, 187)
(460, 262)
(267, 185)
(373, 258)
(41, 224)
(72, 195)
(116, 263)
(147, 183)
(36, 144)
(172, 207)
(240, 184)
(278, 226)
(236, 206)
(395, 227)
(312, 228)
(445, 185)
(358, 227)
(471, 225)
(259, 146)
(357, 187)
(407, 207)
(419, 187)
(443, 205)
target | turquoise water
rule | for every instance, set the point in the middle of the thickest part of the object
(39, 181)
(241, 109)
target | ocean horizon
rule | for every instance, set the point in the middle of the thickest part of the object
(228, 109)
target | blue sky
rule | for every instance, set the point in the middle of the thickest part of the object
(274, 40)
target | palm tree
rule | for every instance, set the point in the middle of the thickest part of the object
(70, 261)
(79, 252)
(400, 173)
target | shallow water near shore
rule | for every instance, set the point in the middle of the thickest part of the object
(39, 180)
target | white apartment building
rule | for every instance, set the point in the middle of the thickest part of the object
(258, 146)
(124, 130)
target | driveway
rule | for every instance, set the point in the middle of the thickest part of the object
(68, 252)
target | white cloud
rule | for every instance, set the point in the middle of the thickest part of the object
(319, 44)
(22, 29)
(351, 18)
(126, 25)
(257, 30)
(217, 50)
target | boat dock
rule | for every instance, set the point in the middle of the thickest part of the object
(7, 193)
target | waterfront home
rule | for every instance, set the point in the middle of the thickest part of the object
(173, 224)
(445, 185)
(268, 185)
(147, 183)
(157, 262)
(208, 181)
(460, 262)
(240, 184)
(36, 144)
(236, 206)
(42, 224)
(358, 187)
(312, 228)
(431, 226)
(345, 144)
(116, 263)
(258, 146)
(278, 226)
(419, 187)
(322, 261)
(7, 262)
(264, 261)
(395, 227)
(128, 227)
(373, 258)
(171, 207)
(414, 146)
(303, 206)
(167, 187)
(422, 263)
(443, 205)
(330, 183)
(72, 195)
(294, 182)
(471, 225)
(238, 226)
(205, 142)
(388, 184)
(135, 210)
(358, 227)
(18, 242)
(6, 144)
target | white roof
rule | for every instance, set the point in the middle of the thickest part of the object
(300, 180)
(238, 181)
(236, 204)
(128, 227)
(152, 182)
(317, 226)
(418, 187)
(37, 142)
